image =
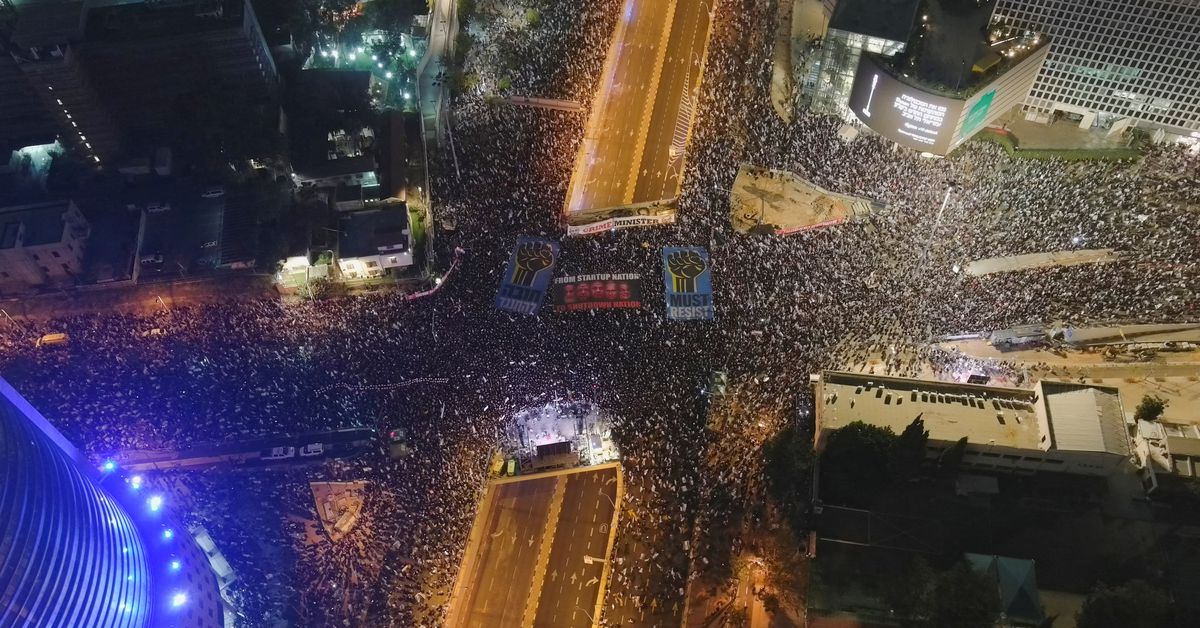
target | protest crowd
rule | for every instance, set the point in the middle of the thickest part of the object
(870, 294)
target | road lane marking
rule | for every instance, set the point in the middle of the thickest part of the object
(543, 557)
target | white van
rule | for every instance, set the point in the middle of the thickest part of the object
(279, 453)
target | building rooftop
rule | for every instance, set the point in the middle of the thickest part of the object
(43, 223)
(374, 232)
(888, 19)
(48, 23)
(950, 410)
(1086, 418)
(127, 23)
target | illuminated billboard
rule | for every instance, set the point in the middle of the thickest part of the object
(904, 114)
(928, 122)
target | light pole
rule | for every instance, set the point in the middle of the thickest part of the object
(945, 202)
(589, 615)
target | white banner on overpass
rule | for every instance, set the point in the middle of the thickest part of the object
(620, 223)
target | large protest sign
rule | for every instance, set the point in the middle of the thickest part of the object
(597, 292)
(528, 275)
(687, 276)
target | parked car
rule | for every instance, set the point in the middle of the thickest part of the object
(50, 340)
(154, 208)
(279, 453)
(213, 192)
(312, 449)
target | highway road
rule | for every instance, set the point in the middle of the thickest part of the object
(525, 563)
(569, 589)
(497, 588)
(626, 156)
(674, 106)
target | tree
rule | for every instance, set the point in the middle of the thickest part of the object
(964, 598)
(908, 451)
(952, 457)
(910, 593)
(855, 464)
(789, 459)
(1134, 604)
(1151, 408)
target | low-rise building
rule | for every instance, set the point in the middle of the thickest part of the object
(372, 242)
(1058, 426)
(41, 243)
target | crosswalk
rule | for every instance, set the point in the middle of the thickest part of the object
(683, 122)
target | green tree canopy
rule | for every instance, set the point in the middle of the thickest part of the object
(1134, 604)
(789, 459)
(856, 462)
(952, 457)
(1151, 408)
(964, 598)
(908, 452)
(910, 593)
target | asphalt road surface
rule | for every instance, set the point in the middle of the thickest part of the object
(627, 156)
(660, 171)
(497, 588)
(570, 586)
(525, 565)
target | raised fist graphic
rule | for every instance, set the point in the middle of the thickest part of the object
(532, 258)
(685, 267)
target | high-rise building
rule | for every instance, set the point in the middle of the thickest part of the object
(106, 77)
(882, 27)
(926, 75)
(1115, 60)
(86, 546)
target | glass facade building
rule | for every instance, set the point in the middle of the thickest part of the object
(1116, 59)
(87, 545)
(70, 555)
(840, 53)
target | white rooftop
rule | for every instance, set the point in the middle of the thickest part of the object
(1086, 418)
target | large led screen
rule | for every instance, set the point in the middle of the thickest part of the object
(901, 113)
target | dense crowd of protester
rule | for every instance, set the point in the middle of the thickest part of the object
(870, 294)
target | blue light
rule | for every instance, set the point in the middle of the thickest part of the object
(179, 599)
(109, 465)
(168, 533)
(176, 565)
(154, 503)
(136, 482)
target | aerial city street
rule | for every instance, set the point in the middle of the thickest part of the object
(583, 313)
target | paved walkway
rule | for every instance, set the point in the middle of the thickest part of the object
(1059, 135)
(142, 298)
(1030, 261)
(443, 26)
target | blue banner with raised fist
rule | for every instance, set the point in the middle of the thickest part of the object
(687, 275)
(528, 275)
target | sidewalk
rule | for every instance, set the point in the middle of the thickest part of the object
(443, 26)
(142, 298)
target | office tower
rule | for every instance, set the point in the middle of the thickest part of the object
(82, 546)
(1113, 63)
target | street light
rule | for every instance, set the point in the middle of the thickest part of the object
(589, 615)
